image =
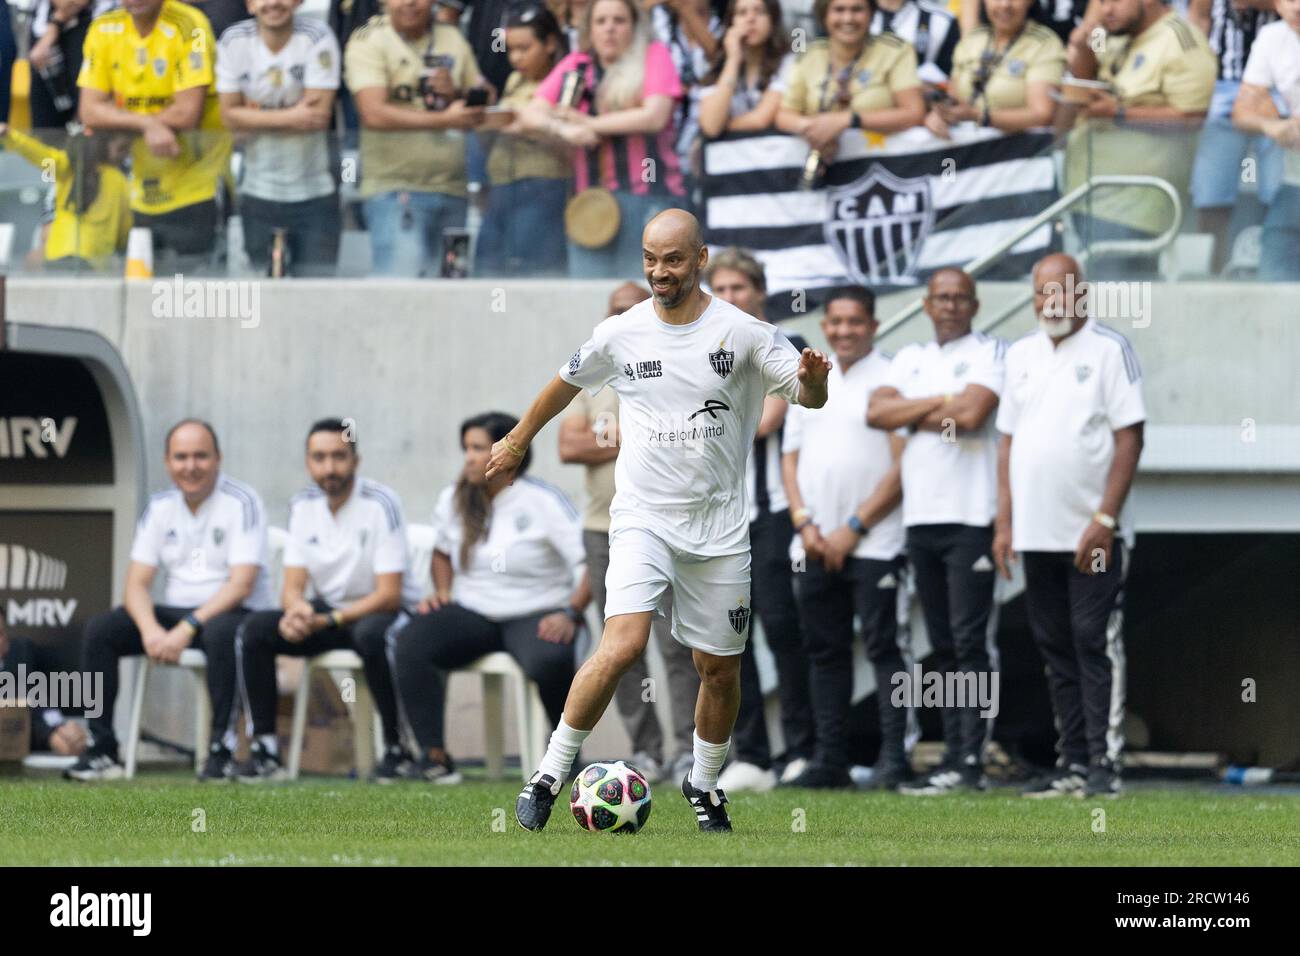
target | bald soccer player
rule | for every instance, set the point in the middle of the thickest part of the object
(691, 372)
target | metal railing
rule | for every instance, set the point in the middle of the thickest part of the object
(1107, 247)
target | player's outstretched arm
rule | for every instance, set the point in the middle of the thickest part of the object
(509, 451)
(814, 368)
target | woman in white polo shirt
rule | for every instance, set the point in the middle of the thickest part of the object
(509, 574)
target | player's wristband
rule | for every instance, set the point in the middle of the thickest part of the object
(195, 625)
(1103, 519)
(855, 525)
(512, 447)
(336, 619)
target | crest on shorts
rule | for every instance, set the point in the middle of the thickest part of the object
(739, 617)
(722, 361)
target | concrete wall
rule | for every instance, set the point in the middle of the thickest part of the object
(409, 360)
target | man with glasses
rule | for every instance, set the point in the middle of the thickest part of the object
(942, 394)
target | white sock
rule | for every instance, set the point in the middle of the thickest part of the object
(230, 740)
(709, 759)
(562, 750)
(270, 744)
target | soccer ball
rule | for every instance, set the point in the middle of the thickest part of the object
(610, 798)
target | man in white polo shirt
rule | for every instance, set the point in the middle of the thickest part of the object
(208, 534)
(1071, 419)
(844, 486)
(944, 392)
(347, 539)
(277, 75)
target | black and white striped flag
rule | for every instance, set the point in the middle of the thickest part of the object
(888, 212)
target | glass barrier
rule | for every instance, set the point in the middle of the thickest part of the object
(494, 204)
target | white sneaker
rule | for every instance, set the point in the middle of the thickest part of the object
(650, 768)
(747, 776)
(795, 767)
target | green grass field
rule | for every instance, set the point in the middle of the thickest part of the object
(152, 821)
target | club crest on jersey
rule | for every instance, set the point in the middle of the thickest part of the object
(522, 521)
(1081, 372)
(218, 536)
(960, 369)
(739, 618)
(160, 67)
(722, 361)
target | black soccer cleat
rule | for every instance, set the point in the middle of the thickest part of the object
(533, 805)
(219, 766)
(710, 807)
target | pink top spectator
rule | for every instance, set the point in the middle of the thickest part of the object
(617, 163)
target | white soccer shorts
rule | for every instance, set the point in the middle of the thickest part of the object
(711, 608)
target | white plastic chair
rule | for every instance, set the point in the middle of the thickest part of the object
(367, 735)
(196, 662)
(530, 716)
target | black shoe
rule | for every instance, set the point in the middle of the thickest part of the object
(889, 776)
(710, 807)
(433, 771)
(262, 766)
(820, 776)
(1103, 779)
(97, 763)
(395, 765)
(219, 766)
(947, 780)
(1065, 781)
(533, 805)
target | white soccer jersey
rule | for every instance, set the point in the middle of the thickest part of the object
(196, 550)
(950, 479)
(344, 550)
(283, 167)
(530, 559)
(690, 397)
(841, 460)
(1061, 408)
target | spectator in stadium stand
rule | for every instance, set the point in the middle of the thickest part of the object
(742, 92)
(148, 70)
(208, 534)
(692, 33)
(50, 731)
(1071, 421)
(851, 80)
(735, 276)
(1231, 28)
(1062, 17)
(944, 393)
(508, 576)
(410, 77)
(528, 174)
(347, 541)
(486, 17)
(1274, 68)
(1004, 73)
(623, 129)
(1161, 75)
(844, 485)
(92, 198)
(928, 27)
(589, 436)
(276, 80)
(58, 31)
(224, 14)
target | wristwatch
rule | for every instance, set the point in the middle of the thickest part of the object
(855, 525)
(855, 121)
(574, 615)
